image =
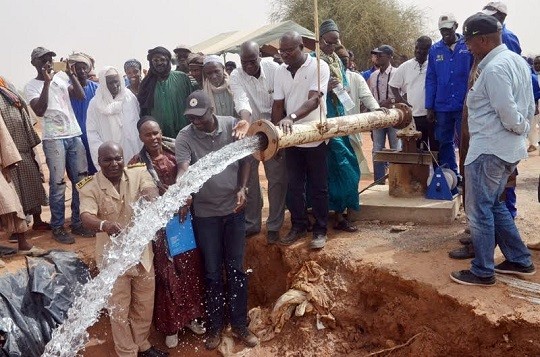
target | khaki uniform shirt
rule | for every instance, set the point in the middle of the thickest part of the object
(99, 197)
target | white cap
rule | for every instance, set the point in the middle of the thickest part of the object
(212, 59)
(495, 6)
(447, 21)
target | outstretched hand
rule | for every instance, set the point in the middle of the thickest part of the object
(240, 129)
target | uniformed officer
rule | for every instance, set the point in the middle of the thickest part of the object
(106, 200)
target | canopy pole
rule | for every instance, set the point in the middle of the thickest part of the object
(322, 125)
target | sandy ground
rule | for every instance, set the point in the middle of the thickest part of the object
(389, 288)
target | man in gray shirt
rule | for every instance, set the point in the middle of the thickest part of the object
(500, 105)
(218, 217)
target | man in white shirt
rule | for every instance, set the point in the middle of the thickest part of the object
(297, 100)
(380, 87)
(410, 79)
(48, 95)
(253, 87)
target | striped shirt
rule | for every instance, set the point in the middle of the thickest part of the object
(253, 94)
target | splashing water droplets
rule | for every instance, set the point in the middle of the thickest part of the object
(125, 250)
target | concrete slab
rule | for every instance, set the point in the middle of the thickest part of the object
(377, 204)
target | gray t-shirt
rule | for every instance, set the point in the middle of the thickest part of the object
(217, 197)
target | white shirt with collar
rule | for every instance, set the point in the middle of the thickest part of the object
(253, 94)
(295, 91)
(410, 78)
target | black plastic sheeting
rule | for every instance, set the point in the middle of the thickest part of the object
(34, 301)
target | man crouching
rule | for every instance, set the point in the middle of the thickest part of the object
(106, 207)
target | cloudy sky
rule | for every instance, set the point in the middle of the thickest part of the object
(115, 30)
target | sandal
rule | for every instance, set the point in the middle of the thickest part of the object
(345, 226)
(33, 252)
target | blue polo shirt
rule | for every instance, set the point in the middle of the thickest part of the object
(447, 76)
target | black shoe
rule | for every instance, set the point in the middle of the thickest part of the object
(83, 232)
(318, 241)
(272, 237)
(61, 236)
(291, 237)
(213, 339)
(465, 252)
(507, 267)
(152, 352)
(246, 336)
(466, 277)
(465, 240)
(250, 234)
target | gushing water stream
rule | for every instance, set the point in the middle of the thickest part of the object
(127, 247)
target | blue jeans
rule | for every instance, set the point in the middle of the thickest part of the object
(490, 221)
(222, 242)
(446, 127)
(303, 165)
(379, 142)
(64, 155)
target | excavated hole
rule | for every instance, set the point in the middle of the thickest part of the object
(377, 310)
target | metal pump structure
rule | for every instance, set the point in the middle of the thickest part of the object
(273, 138)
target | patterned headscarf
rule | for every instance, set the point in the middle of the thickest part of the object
(132, 63)
(81, 58)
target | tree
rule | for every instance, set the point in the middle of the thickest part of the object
(363, 24)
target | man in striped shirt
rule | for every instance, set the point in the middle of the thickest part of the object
(252, 87)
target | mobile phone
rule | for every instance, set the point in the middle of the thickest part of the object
(59, 66)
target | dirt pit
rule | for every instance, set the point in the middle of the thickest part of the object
(377, 305)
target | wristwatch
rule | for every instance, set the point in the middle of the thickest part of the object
(293, 116)
(245, 189)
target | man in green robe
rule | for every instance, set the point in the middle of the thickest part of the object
(163, 93)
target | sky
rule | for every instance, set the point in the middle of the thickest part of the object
(115, 30)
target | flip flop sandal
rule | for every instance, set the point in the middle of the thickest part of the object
(33, 252)
(345, 226)
(7, 251)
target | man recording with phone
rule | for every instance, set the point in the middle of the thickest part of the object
(48, 95)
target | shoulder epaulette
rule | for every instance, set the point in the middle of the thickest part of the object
(84, 181)
(138, 164)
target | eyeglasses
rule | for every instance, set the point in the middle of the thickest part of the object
(287, 50)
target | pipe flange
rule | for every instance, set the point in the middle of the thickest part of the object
(405, 115)
(269, 139)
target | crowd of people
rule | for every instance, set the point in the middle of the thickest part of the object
(121, 136)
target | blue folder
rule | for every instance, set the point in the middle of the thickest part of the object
(180, 236)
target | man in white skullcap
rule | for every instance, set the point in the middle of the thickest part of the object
(112, 116)
(216, 85)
